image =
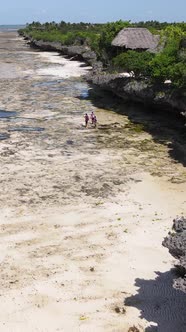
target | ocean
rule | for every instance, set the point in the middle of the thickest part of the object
(11, 27)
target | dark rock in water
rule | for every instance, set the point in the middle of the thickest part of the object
(176, 243)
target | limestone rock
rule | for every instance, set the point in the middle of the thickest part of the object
(142, 91)
(176, 243)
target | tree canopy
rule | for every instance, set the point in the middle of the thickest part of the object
(167, 64)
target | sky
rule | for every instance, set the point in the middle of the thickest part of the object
(94, 11)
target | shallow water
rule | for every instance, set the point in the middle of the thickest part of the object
(5, 114)
(49, 160)
(42, 109)
(23, 128)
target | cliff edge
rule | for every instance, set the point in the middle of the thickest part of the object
(161, 96)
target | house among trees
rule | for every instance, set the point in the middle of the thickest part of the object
(138, 39)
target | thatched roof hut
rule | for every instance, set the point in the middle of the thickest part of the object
(136, 39)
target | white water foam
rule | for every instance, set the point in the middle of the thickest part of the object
(58, 66)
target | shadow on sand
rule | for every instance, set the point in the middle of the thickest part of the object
(160, 303)
(165, 128)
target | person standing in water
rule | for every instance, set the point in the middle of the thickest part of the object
(95, 121)
(86, 120)
(92, 117)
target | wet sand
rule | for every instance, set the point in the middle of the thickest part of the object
(83, 211)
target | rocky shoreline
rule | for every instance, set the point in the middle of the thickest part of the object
(76, 52)
(162, 96)
(176, 243)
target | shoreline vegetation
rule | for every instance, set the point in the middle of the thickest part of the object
(155, 78)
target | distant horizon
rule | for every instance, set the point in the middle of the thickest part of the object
(50, 21)
(13, 25)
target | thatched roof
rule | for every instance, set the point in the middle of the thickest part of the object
(136, 38)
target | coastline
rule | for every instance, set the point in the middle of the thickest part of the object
(161, 97)
(83, 211)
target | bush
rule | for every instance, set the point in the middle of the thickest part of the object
(169, 64)
(134, 61)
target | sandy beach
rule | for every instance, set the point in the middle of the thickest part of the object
(83, 211)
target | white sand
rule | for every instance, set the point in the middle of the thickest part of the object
(64, 68)
(49, 255)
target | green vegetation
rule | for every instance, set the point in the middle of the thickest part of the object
(65, 33)
(168, 64)
(132, 61)
(107, 34)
